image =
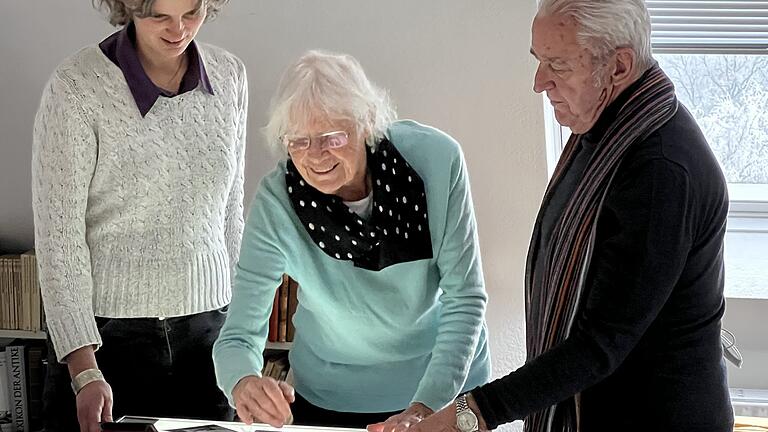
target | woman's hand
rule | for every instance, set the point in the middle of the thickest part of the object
(94, 405)
(401, 422)
(94, 400)
(263, 400)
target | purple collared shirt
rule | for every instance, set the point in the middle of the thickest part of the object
(120, 48)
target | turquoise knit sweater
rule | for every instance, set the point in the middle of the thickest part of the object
(367, 341)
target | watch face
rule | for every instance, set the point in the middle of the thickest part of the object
(466, 421)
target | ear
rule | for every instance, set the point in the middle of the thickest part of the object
(625, 67)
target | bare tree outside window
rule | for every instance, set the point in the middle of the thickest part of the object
(728, 96)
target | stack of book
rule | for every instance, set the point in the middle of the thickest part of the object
(281, 321)
(20, 293)
(276, 366)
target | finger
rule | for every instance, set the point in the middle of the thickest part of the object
(106, 412)
(88, 419)
(376, 427)
(389, 425)
(263, 410)
(275, 402)
(402, 426)
(288, 392)
(243, 413)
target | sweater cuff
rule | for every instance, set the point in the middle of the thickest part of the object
(230, 372)
(73, 331)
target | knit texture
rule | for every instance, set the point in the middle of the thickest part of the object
(135, 217)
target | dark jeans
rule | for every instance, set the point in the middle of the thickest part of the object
(156, 368)
(306, 414)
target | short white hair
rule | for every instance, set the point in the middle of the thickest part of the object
(605, 25)
(325, 86)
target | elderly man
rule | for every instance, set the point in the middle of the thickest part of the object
(624, 280)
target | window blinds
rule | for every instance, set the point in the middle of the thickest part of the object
(726, 27)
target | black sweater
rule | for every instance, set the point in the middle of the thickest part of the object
(644, 352)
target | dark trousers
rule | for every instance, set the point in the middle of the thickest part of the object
(156, 368)
(306, 414)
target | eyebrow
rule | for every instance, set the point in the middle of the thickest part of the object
(157, 15)
(549, 59)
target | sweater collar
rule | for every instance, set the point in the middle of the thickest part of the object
(120, 48)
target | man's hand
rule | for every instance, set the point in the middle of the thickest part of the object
(445, 419)
(401, 422)
(264, 400)
(94, 405)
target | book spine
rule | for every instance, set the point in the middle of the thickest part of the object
(293, 303)
(283, 322)
(5, 406)
(273, 319)
(17, 387)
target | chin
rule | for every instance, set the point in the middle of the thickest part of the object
(328, 188)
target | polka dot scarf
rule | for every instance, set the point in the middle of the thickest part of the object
(396, 232)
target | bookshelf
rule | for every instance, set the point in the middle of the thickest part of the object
(285, 346)
(21, 334)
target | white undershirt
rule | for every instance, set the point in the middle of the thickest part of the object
(362, 207)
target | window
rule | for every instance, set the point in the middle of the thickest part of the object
(715, 53)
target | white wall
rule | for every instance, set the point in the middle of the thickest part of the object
(460, 65)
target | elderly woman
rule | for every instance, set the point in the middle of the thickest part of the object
(373, 217)
(138, 185)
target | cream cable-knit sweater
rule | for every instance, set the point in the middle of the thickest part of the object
(136, 217)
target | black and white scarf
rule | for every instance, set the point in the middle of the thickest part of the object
(398, 228)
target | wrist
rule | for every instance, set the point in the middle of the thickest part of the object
(84, 378)
(481, 425)
(79, 360)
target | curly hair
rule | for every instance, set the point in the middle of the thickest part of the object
(121, 12)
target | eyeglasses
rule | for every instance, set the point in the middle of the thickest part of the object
(331, 140)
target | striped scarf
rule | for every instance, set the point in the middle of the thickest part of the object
(553, 298)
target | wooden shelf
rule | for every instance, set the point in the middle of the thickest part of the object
(21, 334)
(279, 345)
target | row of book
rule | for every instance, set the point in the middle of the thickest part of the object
(276, 366)
(281, 327)
(22, 373)
(20, 305)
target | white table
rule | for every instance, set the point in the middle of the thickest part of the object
(166, 424)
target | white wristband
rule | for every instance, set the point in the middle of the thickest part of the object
(84, 378)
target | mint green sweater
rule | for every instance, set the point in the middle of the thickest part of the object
(367, 341)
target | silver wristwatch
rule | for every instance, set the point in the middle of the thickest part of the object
(466, 420)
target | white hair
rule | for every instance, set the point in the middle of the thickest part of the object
(605, 25)
(324, 86)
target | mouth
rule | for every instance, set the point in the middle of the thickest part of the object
(322, 171)
(174, 43)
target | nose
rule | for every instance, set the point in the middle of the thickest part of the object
(315, 149)
(176, 28)
(542, 80)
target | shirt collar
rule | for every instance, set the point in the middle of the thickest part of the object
(120, 48)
